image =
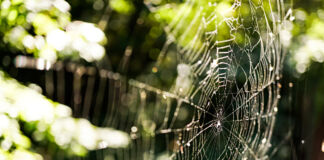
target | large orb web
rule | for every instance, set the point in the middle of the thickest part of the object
(223, 101)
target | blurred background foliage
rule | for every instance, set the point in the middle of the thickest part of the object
(44, 29)
(103, 32)
(32, 125)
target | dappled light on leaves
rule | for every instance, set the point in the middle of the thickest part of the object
(43, 28)
(23, 110)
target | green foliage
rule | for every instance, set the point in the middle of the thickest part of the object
(44, 28)
(307, 40)
(122, 6)
(29, 122)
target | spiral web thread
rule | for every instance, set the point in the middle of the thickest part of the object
(227, 112)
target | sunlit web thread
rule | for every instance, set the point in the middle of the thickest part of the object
(230, 105)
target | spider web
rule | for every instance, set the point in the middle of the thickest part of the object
(222, 104)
